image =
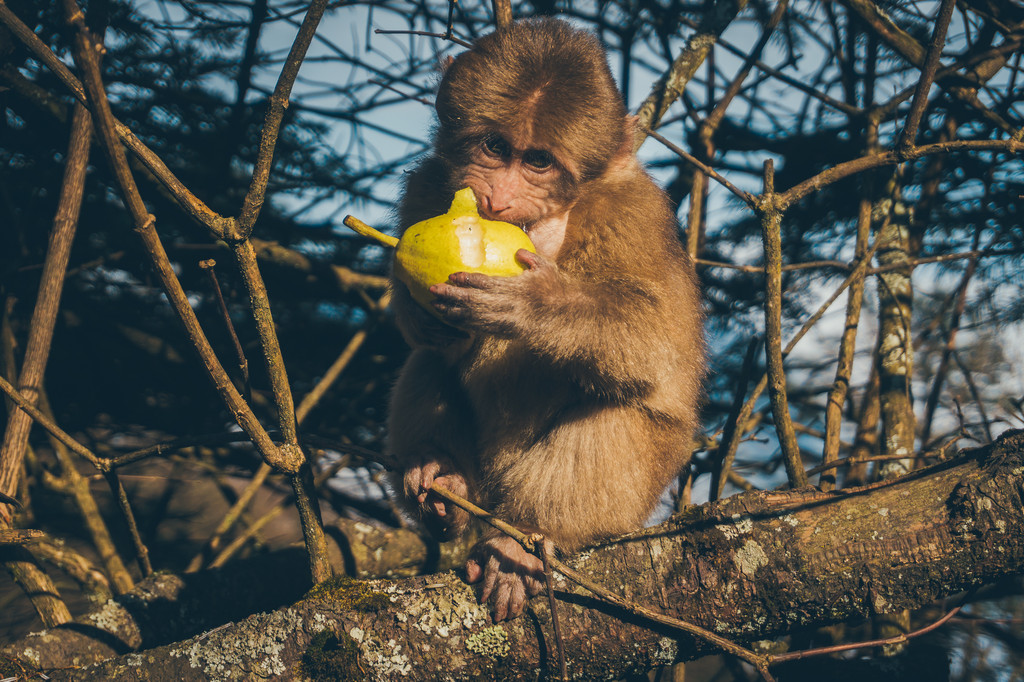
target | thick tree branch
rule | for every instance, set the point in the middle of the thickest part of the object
(44, 315)
(750, 567)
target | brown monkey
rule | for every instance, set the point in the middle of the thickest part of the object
(564, 399)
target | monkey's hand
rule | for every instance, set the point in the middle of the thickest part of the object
(497, 305)
(420, 328)
(438, 471)
(509, 574)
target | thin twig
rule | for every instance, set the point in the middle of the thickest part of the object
(450, 24)
(712, 122)
(253, 528)
(141, 551)
(891, 158)
(167, 448)
(230, 518)
(259, 303)
(726, 451)
(49, 425)
(235, 545)
(72, 483)
(850, 461)
(672, 83)
(208, 266)
(426, 34)
(878, 270)
(898, 639)
(848, 340)
(311, 399)
(747, 198)
(975, 394)
(771, 234)
(412, 98)
(927, 77)
(544, 552)
(931, 403)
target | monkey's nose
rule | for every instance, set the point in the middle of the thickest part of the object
(491, 213)
(495, 207)
(484, 207)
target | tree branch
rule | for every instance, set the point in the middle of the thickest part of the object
(748, 568)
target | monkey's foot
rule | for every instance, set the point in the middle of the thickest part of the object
(507, 573)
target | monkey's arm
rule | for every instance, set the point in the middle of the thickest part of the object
(608, 335)
(430, 437)
(418, 327)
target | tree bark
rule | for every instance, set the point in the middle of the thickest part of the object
(751, 567)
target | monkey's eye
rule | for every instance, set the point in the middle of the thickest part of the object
(497, 146)
(538, 159)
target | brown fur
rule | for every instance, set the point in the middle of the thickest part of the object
(569, 401)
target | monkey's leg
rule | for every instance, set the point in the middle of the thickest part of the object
(598, 472)
(431, 437)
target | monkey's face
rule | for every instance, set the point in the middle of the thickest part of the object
(515, 181)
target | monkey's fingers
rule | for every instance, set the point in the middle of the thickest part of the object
(473, 280)
(418, 479)
(491, 574)
(448, 297)
(435, 504)
(489, 310)
(530, 259)
(473, 571)
(533, 584)
(509, 597)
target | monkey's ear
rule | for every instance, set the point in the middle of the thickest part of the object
(445, 62)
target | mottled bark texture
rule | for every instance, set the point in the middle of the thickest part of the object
(895, 355)
(750, 567)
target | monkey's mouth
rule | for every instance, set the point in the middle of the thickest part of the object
(521, 224)
(487, 214)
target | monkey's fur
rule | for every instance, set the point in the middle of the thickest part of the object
(568, 400)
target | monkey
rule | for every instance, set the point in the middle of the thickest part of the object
(563, 399)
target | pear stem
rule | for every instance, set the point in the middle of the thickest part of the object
(362, 228)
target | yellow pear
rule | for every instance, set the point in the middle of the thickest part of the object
(458, 241)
